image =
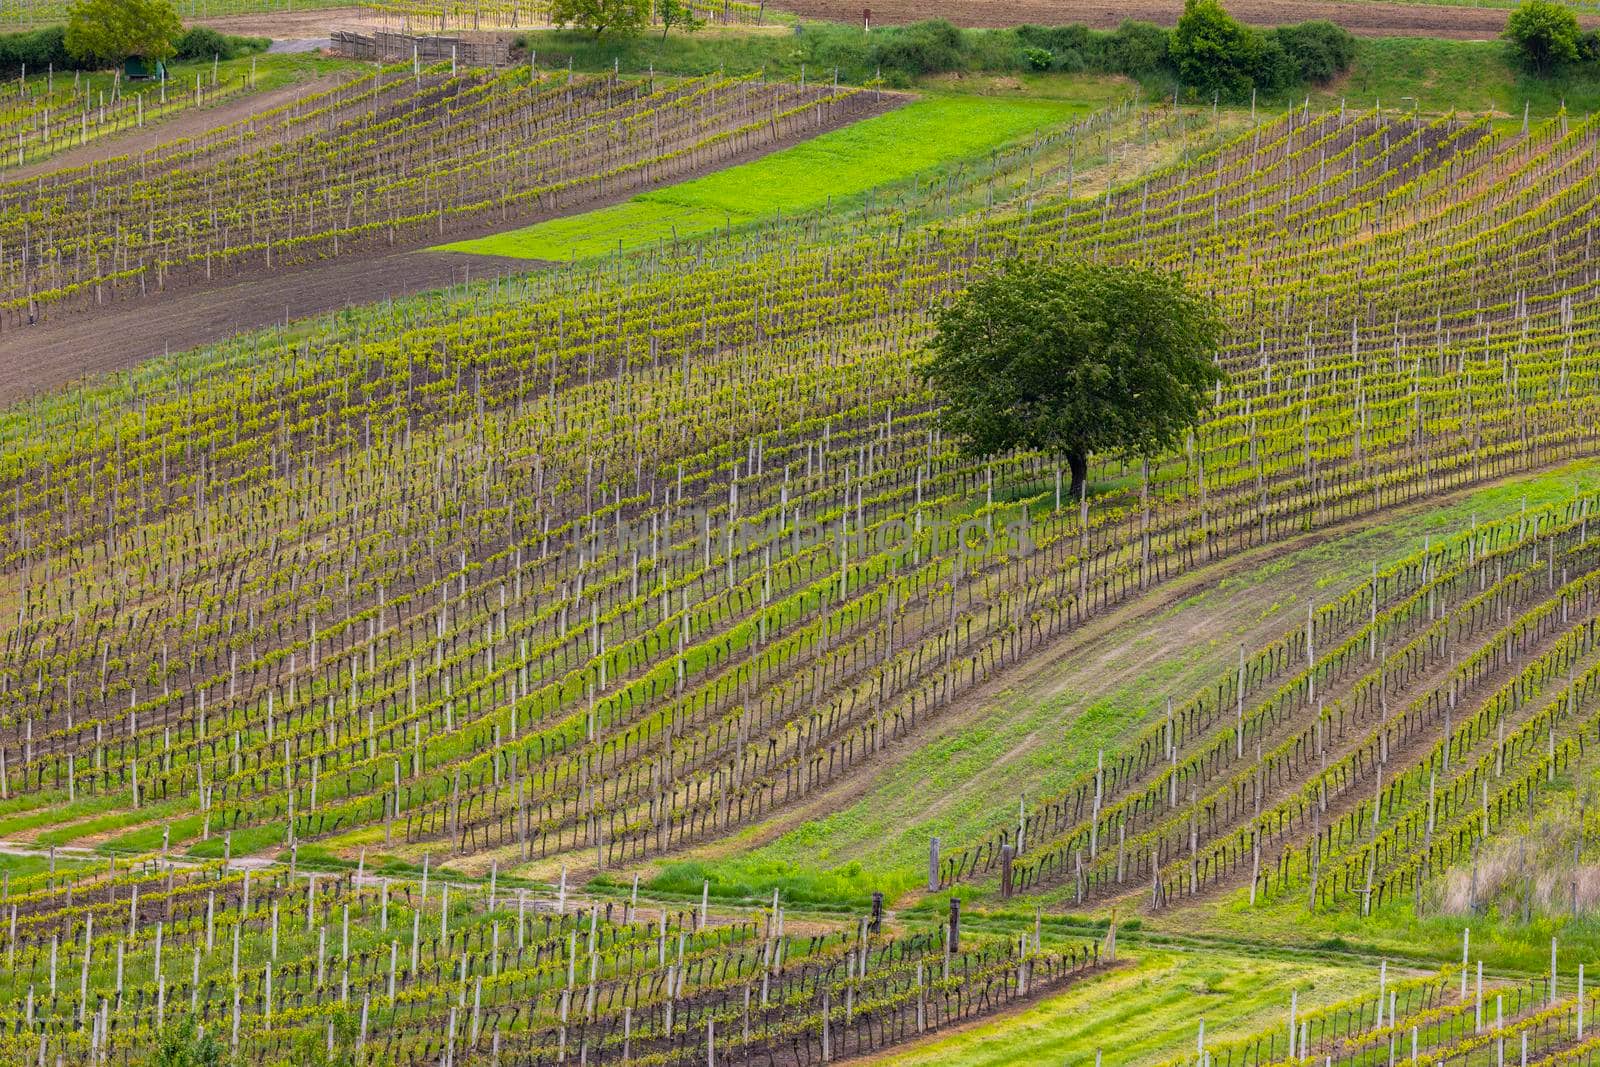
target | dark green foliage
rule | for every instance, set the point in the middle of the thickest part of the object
(181, 1044)
(1318, 51)
(931, 47)
(1589, 47)
(1214, 53)
(1073, 359)
(203, 43)
(1544, 35)
(1137, 49)
(900, 54)
(37, 51)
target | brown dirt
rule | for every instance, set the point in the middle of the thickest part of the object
(73, 344)
(297, 25)
(1368, 19)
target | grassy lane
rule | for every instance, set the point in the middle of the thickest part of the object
(837, 166)
(1149, 1009)
(1043, 729)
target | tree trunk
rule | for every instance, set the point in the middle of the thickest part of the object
(1078, 463)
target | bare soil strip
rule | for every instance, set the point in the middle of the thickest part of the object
(1368, 19)
(299, 24)
(73, 342)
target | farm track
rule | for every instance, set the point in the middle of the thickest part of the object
(75, 341)
(80, 343)
(1368, 19)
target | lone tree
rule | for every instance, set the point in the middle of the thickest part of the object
(1544, 34)
(1074, 359)
(109, 31)
(677, 14)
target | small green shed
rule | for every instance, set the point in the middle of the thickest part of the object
(137, 69)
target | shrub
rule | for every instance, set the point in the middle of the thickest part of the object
(1055, 39)
(1038, 58)
(37, 51)
(202, 43)
(1274, 69)
(1137, 49)
(1543, 34)
(1589, 47)
(1318, 51)
(930, 47)
(1214, 53)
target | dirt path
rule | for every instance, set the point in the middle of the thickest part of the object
(74, 344)
(189, 122)
(1368, 19)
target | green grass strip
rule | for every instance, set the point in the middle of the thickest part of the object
(840, 164)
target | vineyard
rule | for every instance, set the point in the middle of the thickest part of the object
(362, 676)
(39, 119)
(443, 151)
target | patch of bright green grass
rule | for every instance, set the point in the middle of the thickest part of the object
(1466, 76)
(837, 166)
(1147, 1010)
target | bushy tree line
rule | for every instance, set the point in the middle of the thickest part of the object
(1208, 51)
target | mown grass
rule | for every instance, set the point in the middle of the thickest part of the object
(1032, 739)
(1148, 1010)
(835, 167)
(1469, 76)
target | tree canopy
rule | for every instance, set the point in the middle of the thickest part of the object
(623, 18)
(110, 31)
(1074, 359)
(1212, 51)
(1544, 34)
(677, 14)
